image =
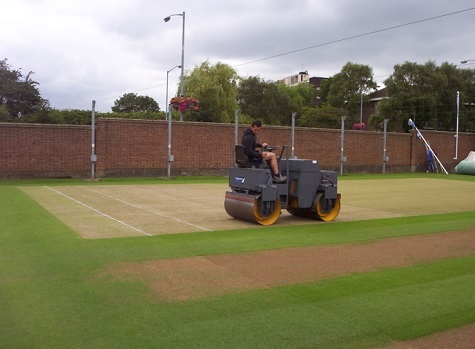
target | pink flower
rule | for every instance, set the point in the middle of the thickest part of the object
(183, 103)
(361, 126)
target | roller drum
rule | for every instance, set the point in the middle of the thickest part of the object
(320, 210)
(250, 208)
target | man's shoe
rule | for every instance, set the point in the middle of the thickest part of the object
(280, 179)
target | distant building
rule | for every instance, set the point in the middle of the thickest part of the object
(373, 101)
(371, 106)
(303, 77)
(317, 81)
(296, 79)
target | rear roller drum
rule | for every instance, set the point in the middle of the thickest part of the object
(324, 210)
(327, 209)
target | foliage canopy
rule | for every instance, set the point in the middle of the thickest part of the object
(19, 95)
(215, 86)
(133, 103)
(424, 92)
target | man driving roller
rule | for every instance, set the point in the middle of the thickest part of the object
(250, 144)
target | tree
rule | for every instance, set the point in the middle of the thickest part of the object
(4, 115)
(132, 103)
(20, 96)
(411, 93)
(323, 117)
(377, 122)
(462, 81)
(427, 93)
(467, 100)
(273, 102)
(261, 99)
(251, 95)
(215, 87)
(347, 86)
(307, 94)
(294, 99)
(325, 90)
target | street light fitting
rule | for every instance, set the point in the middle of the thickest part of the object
(166, 19)
(177, 66)
(467, 60)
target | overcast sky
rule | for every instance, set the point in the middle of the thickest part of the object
(84, 50)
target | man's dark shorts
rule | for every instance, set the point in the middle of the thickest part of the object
(256, 161)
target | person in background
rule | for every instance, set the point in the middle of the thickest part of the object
(430, 160)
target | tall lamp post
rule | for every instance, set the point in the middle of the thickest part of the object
(166, 19)
(457, 127)
(465, 61)
(169, 117)
(361, 112)
(167, 101)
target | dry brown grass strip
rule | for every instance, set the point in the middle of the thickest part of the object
(208, 276)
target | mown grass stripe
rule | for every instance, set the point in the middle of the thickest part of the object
(49, 296)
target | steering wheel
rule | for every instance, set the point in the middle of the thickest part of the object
(269, 148)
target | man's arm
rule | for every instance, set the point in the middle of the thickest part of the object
(250, 151)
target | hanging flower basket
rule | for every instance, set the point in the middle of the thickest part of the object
(361, 126)
(183, 103)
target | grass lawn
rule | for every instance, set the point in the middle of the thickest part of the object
(51, 297)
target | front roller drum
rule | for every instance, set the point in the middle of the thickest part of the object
(251, 208)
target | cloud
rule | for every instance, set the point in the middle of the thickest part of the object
(85, 50)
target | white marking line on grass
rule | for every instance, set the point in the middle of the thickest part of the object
(102, 213)
(142, 208)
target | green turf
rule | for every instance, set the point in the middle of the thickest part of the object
(235, 241)
(115, 181)
(50, 297)
(218, 179)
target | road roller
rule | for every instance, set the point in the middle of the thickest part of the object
(308, 191)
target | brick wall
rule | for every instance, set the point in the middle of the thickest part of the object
(139, 148)
(37, 151)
